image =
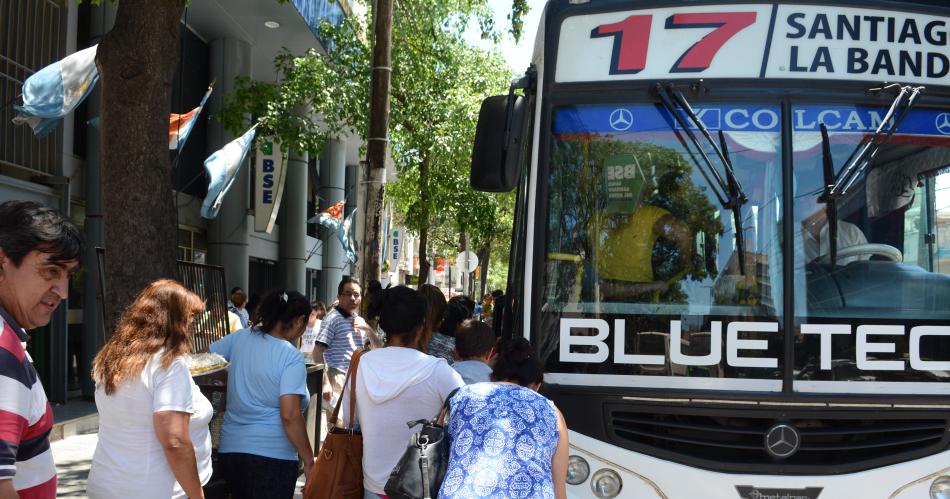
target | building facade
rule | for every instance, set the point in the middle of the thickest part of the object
(222, 40)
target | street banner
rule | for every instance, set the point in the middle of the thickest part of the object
(180, 125)
(54, 91)
(269, 175)
(222, 168)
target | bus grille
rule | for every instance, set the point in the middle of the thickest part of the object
(734, 440)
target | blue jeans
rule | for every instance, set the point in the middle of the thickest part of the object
(251, 476)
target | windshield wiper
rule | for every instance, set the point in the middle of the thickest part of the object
(728, 192)
(838, 184)
(861, 157)
(831, 203)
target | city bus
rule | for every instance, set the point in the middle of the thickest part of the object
(731, 246)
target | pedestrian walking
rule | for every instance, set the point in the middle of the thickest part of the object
(341, 334)
(153, 420)
(435, 314)
(264, 432)
(396, 384)
(475, 345)
(515, 435)
(39, 250)
(318, 312)
(236, 305)
(442, 344)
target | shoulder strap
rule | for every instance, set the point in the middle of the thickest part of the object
(445, 407)
(354, 361)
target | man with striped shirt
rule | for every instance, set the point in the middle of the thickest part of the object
(340, 335)
(39, 250)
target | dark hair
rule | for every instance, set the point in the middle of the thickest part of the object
(517, 363)
(281, 305)
(467, 302)
(26, 226)
(238, 297)
(496, 293)
(474, 339)
(400, 310)
(347, 280)
(455, 313)
(235, 289)
(318, 305)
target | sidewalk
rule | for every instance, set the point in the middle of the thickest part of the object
(73, 456)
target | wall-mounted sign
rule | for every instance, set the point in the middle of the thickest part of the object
(397, 243)
(269, 173)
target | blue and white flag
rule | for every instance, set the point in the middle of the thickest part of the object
(223, 167)
(332, 218)
(54, 91)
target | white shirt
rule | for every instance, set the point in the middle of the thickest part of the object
(395, 385)
(310, 337)
(129, 461)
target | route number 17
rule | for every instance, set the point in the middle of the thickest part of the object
(632, 39)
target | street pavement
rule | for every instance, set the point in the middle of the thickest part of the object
(73, 456)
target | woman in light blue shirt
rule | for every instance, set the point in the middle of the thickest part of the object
(264, 432)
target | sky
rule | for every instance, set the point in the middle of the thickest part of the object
(518, 54)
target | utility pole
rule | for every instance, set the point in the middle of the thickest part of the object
(378, 140)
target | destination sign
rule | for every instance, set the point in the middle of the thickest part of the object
(755, 41)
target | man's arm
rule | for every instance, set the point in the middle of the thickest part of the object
(318, 349)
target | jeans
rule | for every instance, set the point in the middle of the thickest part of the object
(257, 477)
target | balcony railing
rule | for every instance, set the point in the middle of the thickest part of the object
(32, 36)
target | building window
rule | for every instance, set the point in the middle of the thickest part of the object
(192, 246)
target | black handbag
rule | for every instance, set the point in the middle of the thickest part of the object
(421, 469)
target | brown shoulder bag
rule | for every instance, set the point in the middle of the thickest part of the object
(338, 470)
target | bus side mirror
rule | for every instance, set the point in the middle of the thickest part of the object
(496, 155)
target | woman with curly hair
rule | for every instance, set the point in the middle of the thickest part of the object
(153, 421)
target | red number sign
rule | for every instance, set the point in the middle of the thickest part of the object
(632, 39)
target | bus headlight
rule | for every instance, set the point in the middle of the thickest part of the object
(577, 470)
(606, 484)
(940, 488)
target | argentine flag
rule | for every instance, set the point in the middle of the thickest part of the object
(180, 125)
(54, 91)
(222, 168)
(332, 218)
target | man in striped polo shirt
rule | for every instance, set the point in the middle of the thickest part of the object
(340, 335)
(39, 250)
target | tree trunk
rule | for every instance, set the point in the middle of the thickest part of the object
(483, 257)
(136, 62)
(378, 140)
(423, 261)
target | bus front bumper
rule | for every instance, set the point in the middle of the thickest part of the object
(646, 477)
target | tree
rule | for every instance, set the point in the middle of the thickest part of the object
(136, 62)
(438, 82)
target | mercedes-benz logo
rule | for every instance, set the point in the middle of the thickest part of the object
(942, 122)
(621, 119)
(782, 440)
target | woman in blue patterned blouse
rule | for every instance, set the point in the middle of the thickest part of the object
(508, 441)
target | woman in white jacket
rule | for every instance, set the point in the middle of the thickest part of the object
(396, 384)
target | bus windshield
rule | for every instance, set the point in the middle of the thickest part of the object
(643, 284)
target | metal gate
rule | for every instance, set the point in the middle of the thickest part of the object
(206, 281)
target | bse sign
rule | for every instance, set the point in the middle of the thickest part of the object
(755, 41)
(269, 175)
